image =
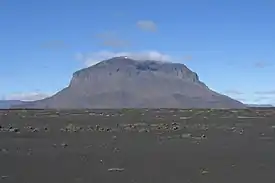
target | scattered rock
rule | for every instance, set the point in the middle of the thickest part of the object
(29, 152)
(35, 130)
(16, 130)
(241, 132)
(116, 169)
(186, 135)
(174, 123)
(4, 150)
(89, 146)
(262, 134)
(203, 136)
(116, 149)
(203, 172)
(30, 127)
(4, 176)
(70, 127)
(102, 129)
(175, 128)
(64, 145)
(143, 130)
(97, 127)
(108, 129)
(90, 128)
(183, 117)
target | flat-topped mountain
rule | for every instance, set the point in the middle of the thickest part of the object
(121, 82)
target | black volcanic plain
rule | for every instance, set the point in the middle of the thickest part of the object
(137, 146)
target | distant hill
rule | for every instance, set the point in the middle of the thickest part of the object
(259, 105)
(121, 82)
(5, 104)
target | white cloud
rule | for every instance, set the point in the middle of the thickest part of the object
(79, 56)
(188, 58)
(111, 39)
(233, 92)
(262, 64)
(147, 25)
(55, 45)
(93, 58)
(272, 92)
(264, 100)
(26, 96)
(115, 43)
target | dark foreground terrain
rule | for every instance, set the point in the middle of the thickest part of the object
(137, 146)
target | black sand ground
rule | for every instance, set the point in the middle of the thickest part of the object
(137, 146)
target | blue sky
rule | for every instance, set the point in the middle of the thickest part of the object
(230, 44)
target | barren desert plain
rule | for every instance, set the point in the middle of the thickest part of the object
(137, 146)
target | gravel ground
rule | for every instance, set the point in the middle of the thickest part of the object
(137, 146)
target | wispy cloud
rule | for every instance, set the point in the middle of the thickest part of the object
(111, 39)
(187, 58)
(79, 56)
(262, 98)
(271, 92)
(261, 64)
(233, 92)
(93, 58)
(32, 96)
(54, 45)
(147, 25)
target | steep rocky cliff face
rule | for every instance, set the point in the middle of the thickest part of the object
(121, 82)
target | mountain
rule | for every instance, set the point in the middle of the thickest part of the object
(6, 104)
(121, 82)
(259, 105)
